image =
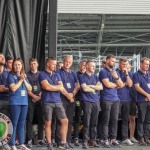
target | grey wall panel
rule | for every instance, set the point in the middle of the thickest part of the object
(104, 6)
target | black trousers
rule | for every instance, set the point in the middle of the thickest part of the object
(124, 110)
(69, 108)
(143, 124)
(4, 107)
(77, 119)
(91, 111)
(110, 111)
(37, 108)
(99, 125)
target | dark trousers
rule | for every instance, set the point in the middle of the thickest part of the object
(69, 108)
(124, 110)
(91, 111)
(110, 111)
(99, 125)
(4, 107)
(143, 124)
(37, 108)
(77, 119)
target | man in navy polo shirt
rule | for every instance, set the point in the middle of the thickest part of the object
(141, 80)
(110, 101)
(34, 104)
(51, 87)
(71, 87)
(125, 100)
(78, 109)
(90, 87)
(4, 102)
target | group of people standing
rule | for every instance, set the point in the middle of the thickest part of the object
(59, 94)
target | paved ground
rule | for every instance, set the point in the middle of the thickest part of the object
(134, 147)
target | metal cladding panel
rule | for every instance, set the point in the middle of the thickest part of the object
(104, 6)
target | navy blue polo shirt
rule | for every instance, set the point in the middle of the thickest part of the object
(123, 93)
(68, 78)
(34, 82)
(53, 79)
(78, 95)
(132, 91)
(3, 81)
(89, 80)
(20, 96)
(144, 81)
(109, 94)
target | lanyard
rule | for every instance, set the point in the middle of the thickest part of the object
(66, 76)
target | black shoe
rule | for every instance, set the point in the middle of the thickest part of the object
(41, 143)
(115, 143)
(70, 145)
(76, 142)
(84, 145)
(142, 142)
(50, 146)
(63, 146)
(54, 143)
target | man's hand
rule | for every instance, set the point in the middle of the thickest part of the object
(36, 98)
(147, 97)
(70, 97)
(114, 74)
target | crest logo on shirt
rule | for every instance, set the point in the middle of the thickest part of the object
(6, 129)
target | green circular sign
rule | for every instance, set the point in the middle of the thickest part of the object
(2, 128)
(6, 129)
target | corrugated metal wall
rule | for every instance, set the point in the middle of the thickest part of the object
(104, 6)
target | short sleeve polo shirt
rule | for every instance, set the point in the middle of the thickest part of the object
(89, 80)
(68, 78)
(123, 93)
(34, 82)
(20, 96)
(109, 94)
(3, 81)
(144, 82)
(53, 79)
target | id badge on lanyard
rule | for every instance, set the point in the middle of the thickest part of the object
(23, 93)
(148, 85)
(35, 88)
(68, 85)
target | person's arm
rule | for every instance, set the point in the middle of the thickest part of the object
(34, 97)
(28, 86)
(3, 88)
(117, 79)
(48, 87)
(14, 86)
(97, 87)
(76, 88)
(109, 84)
(141, 91)
(87, 88)
(129, 81)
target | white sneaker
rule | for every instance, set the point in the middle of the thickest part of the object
(127, 142)
(13, 148)
(133, 140)
(23, 147)
(6, 147)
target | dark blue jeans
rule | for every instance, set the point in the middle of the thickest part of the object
(18, 115)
